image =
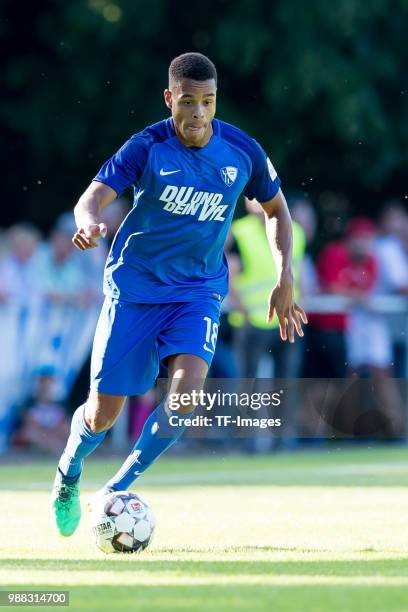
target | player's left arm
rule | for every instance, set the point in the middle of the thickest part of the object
(279, 232)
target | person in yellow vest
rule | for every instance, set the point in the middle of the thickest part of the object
(252, 285)
(255, 336)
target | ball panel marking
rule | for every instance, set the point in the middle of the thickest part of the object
(124, 522)
(142, 530)
(135, 507)
(115, 507)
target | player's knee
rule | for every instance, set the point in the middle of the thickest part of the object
(100, 414)
(99, 422)
(96, 420)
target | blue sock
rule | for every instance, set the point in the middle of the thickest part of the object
(82, 442)
(148, 447)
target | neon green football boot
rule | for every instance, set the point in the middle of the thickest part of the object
(66, 506)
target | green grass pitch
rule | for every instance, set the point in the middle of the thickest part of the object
(319, 532)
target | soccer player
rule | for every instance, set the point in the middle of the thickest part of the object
(166, 272)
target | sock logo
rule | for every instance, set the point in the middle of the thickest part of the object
(135, 456)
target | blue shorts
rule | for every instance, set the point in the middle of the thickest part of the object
(132, 338)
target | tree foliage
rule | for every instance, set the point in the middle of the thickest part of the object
(321, 85)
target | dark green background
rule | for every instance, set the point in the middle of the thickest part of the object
(322, 85)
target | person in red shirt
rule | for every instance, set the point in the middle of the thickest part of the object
(355, 342)
(345, 267)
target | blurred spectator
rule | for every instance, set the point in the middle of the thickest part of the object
(20, 294)
(390, 250)
(349, 268)
(49, 303)
(368, 342)
(346, 268)
(44, 422)
(71, 306)
(304, 214)
(392, 254)
(392, 220)
(62, 278)
(19, 268)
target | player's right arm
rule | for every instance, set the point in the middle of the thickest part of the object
(117, 173)
(95, 197)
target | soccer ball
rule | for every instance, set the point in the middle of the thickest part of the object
(122, 522)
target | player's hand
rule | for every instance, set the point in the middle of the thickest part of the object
(290, 315)
(87, 237)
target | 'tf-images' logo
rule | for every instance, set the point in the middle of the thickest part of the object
(229, 175)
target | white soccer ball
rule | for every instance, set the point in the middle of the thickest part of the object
(122, 522)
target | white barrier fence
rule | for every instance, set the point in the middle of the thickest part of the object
(56, 336)
(392, 309)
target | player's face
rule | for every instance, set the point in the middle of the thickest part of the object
(192, 105)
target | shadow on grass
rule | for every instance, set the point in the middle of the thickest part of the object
(278, 481)
(382, 466)
(375, 567)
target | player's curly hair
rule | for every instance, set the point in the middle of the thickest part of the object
(194, 66)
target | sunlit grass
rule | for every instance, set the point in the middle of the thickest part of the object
(297, 533)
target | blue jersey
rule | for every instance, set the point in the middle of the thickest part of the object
(170, 247)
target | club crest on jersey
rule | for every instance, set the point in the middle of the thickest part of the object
(229, 175)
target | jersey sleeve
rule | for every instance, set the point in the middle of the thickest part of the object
(264, 183)
(125, 167)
